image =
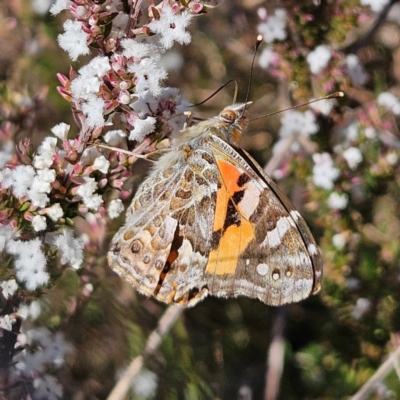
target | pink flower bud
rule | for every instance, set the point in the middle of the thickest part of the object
(124, 97)
(96, 8)
(123, 85)
(110, 105)
(93, 20)
(116, 183)
(64, 93)
(102, 183)
(63, 79)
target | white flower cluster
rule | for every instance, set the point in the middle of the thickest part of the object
(296, 122)
(30, 261)
(86, 86)
(324, 171)
(390, 101)
(318, 58)
(50, 353)
(274, 27)
(142, 58)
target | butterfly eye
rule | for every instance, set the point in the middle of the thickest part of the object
(228, 116)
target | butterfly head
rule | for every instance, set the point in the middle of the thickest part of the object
(234, 119)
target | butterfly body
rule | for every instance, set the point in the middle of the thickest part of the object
(209, 221)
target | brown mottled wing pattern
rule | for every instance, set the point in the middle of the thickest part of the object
(163, 248)
(261, 246)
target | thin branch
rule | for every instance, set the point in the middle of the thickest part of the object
(379, 375)
(165, 324)
(364, 40)
(277, 158)
(275, 357)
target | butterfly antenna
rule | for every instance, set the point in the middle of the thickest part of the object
(211, 96)
(329, 96)
(258, 42)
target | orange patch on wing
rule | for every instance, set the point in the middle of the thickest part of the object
(224, 259)
(230, 175)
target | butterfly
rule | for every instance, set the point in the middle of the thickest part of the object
(209, 221)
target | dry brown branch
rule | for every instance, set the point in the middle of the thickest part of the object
(165, 324)
(379, 375)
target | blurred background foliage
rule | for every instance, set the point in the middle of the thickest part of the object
(333, 342)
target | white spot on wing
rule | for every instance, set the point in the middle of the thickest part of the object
(262, 269)
(274, 237)
(295, 215)
(250, 200)
(312, 249)
(275, 276)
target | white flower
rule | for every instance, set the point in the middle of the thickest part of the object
(31, 364)
(113, 138)
(101, 164)
(324, 171)
(318, 58)
(74, 40)
(56, 348)
(71, 249)
(353, 156)
(322, 106)
(142, 128)
(19, 179)
(356, 70)
(351, 131)
(93, 109)
(137, 50)
(267, 57)
(296, 122)
(30, 262)
(370, 132)
(61, 130)
(8, 287)
(6, 153)
(361, 307)
(338, 201)
(6, 322)
(41, 6)
(274, 28)
(55, 212)
(31, 311)
(115, 208)
(376, 5)
(389, 101)
(86, 191)
(6, 234)
(47, 388)
(145, 384)
(39, 223)
(171, 27)
(59, 6)
(392, 158)
(148, 75)
(44, 157)
(339, 241)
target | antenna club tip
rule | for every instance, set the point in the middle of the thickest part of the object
(336, 94)
(259, 39)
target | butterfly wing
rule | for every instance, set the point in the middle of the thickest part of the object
(261, 246)
(163, 248)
